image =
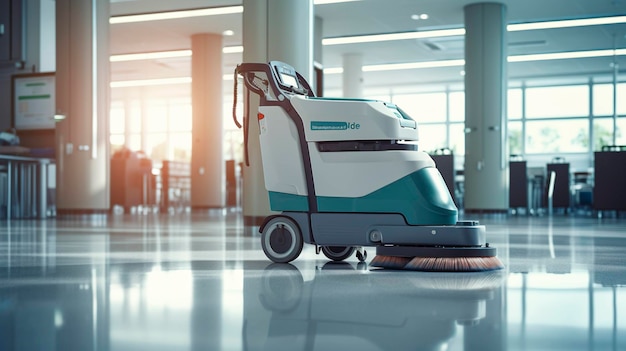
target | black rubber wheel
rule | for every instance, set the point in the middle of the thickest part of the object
(281, 240)
(337, 253)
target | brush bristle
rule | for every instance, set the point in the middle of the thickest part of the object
(438, 264)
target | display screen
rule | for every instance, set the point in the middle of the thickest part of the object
(33, 101)
(289, 80)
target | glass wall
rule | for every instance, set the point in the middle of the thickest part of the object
(543, 120)
(159, 128)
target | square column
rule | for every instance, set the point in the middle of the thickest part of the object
(486, 152)
(82, 99)
(279, 30)
(207, 159)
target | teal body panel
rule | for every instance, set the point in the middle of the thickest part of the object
(421, 197)
(288, 202)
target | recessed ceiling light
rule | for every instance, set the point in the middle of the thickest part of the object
(228, 33)
(421, 16)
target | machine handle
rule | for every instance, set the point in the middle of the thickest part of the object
(247, 71)
(274, 74)
(235, 101)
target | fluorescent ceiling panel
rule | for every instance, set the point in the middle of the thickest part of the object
(394, 36)
(461, 31)
(214, 11)
(150, 82)
(581, 22)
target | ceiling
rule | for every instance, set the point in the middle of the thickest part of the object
(376, 17)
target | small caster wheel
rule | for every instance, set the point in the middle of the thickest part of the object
(362, 256)
(337, 253)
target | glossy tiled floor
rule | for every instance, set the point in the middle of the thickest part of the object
(199, 282)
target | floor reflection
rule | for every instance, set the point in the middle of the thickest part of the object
(346, 307)
(170, 285)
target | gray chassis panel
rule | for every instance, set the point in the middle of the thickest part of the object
(354, 229)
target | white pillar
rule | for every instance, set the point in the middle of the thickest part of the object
(82, 96)
(486, 152)
(207, 159)
(272, 30)
(353, 76)
(40, 36)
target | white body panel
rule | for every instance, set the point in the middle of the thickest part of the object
(280, 152)
(356, 174)
(353, 119)
(336, 174)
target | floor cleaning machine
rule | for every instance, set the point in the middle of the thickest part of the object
(346, 174)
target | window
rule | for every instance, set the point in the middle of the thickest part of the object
(156, 146)
(570, 135)
(514, 104)
(432, 137)
(621, 99)
(156, 118)
(180, 146)
(620, 135)
(117, 120)
(134, 117)
(603, 99)
(159, 128)
(117, 142)
(542, 120)
(423, 107)
(515, 138)
(134, 142)
(457, 106)
(559, 101)
(117, 126)
(180, 117)
(602, 133)
(233, 145)
(457, 138)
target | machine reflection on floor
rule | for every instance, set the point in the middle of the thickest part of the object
(341, 307)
